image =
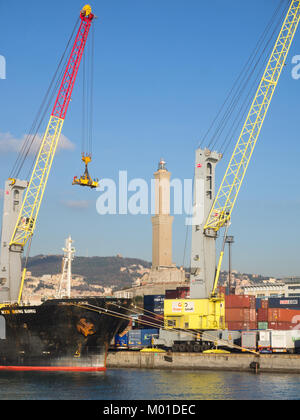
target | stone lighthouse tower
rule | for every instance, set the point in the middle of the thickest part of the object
(164, 274)
(162, 221)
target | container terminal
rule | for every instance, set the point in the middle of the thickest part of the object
(200, 321)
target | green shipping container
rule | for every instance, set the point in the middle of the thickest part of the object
(263, 325)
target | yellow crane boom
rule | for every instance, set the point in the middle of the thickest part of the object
(227, 195)
(228, 192)
(27, 219)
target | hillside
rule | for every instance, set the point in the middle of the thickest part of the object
(106, 271)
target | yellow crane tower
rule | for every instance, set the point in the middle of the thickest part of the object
(208, 313)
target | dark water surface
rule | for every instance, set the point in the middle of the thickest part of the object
(122, 384)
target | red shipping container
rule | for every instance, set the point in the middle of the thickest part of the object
(171, 294)
(237, 315)
(284, 315)
(253, 316)
(240, 301)
(242, 326)
(183, 292)
(281, 326)
(240, 315)
(262, 315)
(233, 326)
(187, 289)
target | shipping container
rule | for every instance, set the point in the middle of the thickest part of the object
(284, 303)
(236, 326)
(154, 303)
(249, 340)
(147, 336)
(240, 315)
(121, 342)
(264, 341)
(258, 303)
(240, 301)
(135, 339)
(262, 315)
(263, 325)
(284, 315)
(239, 326)
(183, 292)
(179, 293)
(295, 334)
(139, 339)
(282, 342)
(171, 294)
(232, 337)
(281, 326)
(237, 315)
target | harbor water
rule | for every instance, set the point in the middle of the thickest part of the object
(127, 384)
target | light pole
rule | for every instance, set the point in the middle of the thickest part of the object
(229, 241)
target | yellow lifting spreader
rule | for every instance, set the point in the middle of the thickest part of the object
(85, 180)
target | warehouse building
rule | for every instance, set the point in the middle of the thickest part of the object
(288, 287)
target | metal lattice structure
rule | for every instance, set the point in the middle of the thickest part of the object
(34, 194)
(228, 192)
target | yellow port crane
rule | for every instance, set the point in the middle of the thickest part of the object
(20, 215)
(34, 194)
(220, 214)
(206, 311)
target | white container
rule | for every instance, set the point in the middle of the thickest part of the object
(264, 340)
(249, 340)
(282, 342)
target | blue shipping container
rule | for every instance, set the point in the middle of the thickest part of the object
(135, 339)
(284, 302)
(154, 303)
(121, 342)
(138, 339)
(258, 303)
(147, 336)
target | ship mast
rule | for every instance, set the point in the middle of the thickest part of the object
(64, 289)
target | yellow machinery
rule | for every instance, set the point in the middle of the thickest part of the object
(208, 313)
(195, 314)
(85, 180)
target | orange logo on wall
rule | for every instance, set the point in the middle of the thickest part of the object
(177, 307)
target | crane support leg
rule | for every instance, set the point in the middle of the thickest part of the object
(11, 260)
(203, 255)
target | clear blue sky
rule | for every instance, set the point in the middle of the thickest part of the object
(162, 69)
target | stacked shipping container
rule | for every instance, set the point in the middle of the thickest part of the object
(279, 314)
(179, 293)
(153, 312)
(240, 312)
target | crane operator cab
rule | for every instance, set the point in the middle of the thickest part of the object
(85, 180)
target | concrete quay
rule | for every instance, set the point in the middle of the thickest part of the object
(281, 363)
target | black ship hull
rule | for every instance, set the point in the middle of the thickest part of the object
(60, 334)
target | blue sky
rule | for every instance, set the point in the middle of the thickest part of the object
(162, 69)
